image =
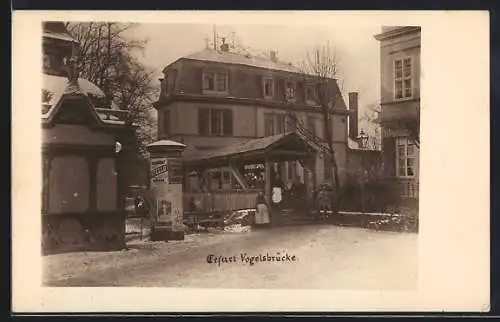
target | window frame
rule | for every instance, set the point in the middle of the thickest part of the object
(405, 142)
(269, 127)
(402, 79)
(215, 78)
(264, 80)
(278, 123)
(314, 89)
(220, 112)
(213, 180)
(293, 89)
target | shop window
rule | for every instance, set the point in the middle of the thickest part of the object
(254, 175)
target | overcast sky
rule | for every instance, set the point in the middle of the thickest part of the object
(355, 42)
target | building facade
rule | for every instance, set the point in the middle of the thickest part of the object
(214, 98)
(400, 106)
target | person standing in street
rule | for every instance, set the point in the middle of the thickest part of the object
(262, 211)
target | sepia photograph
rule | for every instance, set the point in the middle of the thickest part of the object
(219, 155)
(224, 162)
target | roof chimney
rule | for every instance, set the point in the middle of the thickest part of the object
(224, 47)
(274, 56)
(353, 115)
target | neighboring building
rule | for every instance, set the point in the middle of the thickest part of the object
(400, 106)
(214, 98)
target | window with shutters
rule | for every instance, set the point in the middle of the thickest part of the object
(406, 158)
(215, 122)
(403, 79)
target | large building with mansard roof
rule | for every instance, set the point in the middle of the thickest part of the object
(215, 98)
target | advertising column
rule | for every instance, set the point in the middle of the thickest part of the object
(166, 187)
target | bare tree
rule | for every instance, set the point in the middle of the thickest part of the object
(372, 115)
(320, 69)
(371, 118)
(108, 57)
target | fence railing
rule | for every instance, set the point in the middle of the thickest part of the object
(137, 227)
(219, 201)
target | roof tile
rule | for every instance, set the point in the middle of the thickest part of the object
(241, 59)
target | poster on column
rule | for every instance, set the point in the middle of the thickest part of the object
(159, 185)
(175, 193)
(159, 172)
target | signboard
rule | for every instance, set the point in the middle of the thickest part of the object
(159, 171)
(254, 166)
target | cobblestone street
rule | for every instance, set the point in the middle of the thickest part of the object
(327, 257)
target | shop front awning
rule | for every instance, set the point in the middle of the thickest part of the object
(281, 147)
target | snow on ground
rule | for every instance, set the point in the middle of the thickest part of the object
(329, 257)
(66, 265)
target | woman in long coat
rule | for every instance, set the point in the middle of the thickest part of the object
(262, 211)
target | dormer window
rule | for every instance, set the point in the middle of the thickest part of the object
(215, 81)
(268, 87)
(310, 94)
(290, 90)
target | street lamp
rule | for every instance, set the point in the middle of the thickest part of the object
(363, 140)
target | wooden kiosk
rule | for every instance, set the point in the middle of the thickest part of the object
(83, 147)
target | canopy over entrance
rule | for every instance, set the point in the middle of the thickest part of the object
(281, 147)
(230, 177)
